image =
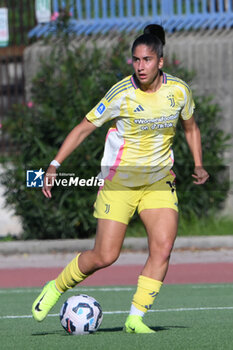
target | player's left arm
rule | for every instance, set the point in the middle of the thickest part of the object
(193, 138)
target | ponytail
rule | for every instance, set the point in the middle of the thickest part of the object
(154, 37)
(156, 30)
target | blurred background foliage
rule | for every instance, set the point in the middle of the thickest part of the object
(69, 83)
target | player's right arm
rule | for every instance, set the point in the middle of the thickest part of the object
(72, 141)
(100, 114)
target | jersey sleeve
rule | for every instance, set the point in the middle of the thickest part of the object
(189, 106)
(104, 111)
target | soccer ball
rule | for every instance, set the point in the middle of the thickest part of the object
(81, 314)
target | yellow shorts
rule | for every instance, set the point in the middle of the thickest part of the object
(117, 202)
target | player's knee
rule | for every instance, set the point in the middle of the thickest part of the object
(105, 259)
(162, 249)
(166, 250)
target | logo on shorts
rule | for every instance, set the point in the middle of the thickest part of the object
(100, 110)
(35, 178)
(107, 209)
(172, 185)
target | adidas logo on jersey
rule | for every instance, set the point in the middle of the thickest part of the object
(139, 109)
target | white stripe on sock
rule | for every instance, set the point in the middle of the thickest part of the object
(135, 311)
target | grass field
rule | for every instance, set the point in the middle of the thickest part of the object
(186, 317)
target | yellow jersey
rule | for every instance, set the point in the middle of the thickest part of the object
(138, 146)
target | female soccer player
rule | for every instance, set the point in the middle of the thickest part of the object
(137, 168)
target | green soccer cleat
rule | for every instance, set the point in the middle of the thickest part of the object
(45, 301)
(134, 324)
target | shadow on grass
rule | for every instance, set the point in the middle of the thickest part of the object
(61, 332)
(104, 330)
(157, 329)
(115, 329)
(165, 328)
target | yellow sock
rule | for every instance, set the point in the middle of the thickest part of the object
(70, 276)
(147, 291)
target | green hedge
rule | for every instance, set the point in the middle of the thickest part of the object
(64, 90)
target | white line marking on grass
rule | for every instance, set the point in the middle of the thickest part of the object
(16, 317)
(108, 289)
(211, 308)
(177, 310)
(104, 289)
(213, 286)
(76, 290)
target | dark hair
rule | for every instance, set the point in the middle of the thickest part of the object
(154, 37)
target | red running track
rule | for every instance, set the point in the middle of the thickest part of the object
(121, 275)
